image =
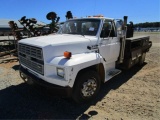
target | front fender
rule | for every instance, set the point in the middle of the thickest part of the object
(76, 63)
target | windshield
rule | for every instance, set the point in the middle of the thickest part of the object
(81, 27)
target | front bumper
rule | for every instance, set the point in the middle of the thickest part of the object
(58, 90)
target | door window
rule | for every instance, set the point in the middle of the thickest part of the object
(108, 29)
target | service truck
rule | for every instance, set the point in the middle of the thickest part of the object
(82, 55)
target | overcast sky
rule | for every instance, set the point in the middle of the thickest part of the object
(137, 10)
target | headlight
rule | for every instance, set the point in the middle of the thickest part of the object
(60, 72)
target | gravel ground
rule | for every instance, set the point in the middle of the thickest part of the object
(133, 94)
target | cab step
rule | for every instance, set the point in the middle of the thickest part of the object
(110, 74)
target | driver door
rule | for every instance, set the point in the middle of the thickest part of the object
(109, 43)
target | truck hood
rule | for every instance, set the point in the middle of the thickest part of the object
(56, 45)
(57, 39)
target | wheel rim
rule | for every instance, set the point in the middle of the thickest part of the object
(89, 87)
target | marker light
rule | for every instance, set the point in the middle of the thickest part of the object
(67, 54)
(98, 16)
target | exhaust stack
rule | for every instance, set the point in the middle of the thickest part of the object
(125, 20)
(123, 40)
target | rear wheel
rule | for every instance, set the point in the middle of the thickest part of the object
(86, 87)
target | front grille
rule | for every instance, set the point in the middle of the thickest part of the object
(34, 52)
(32, 65)
(31, 57)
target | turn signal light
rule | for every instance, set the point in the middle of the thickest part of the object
(67, 54)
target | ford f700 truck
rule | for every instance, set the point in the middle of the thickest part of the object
(85, 53)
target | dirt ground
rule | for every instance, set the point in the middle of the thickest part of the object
(133, 94)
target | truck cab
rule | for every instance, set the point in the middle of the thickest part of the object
(85, 53)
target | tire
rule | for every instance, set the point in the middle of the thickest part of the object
(142, 59)
(26, 79)
(86, 87)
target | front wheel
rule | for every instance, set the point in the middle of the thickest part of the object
(86, 86)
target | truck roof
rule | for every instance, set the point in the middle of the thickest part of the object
(100, 18)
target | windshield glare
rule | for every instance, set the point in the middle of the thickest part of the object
(81, 27)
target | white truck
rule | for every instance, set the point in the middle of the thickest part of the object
(85, 53)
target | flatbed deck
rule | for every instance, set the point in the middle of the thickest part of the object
(137, 38)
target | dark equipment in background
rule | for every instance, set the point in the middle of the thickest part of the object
(15, 30)
(31, 26)
(69, 15)
(32, 29)
(9, 47)
(53, 25)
